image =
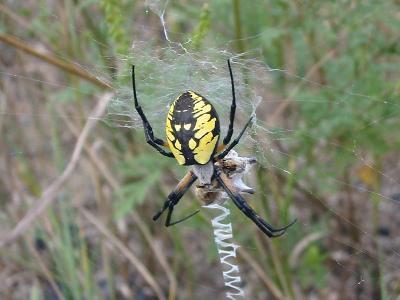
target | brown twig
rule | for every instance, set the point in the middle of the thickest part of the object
(70, 68)
(314, 68)
(277, 263)
(317, 201)
(50, 192)
(302, 245)
(14, 17)
(102, 168)
(47, 273)
(269, 284)
(160, 256)
(112, 239)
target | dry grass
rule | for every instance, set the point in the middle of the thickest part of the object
(63, 171)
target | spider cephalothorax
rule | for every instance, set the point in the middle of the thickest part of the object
(193, 133)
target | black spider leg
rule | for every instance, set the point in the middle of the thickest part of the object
(174, 197)
(228, 136)
(235, 141)
(148, 131)
(241, 203)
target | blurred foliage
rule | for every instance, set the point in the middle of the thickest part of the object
(202, 28)
(312, 270)
(114, 17)
(136, 186)
(337, 76)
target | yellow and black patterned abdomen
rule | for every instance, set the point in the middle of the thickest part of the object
(192, 129)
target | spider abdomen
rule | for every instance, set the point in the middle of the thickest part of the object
(192, 129)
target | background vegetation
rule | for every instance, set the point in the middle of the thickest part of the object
(332, 120)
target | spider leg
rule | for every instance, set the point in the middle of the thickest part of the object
(233, 109)
(148, 130)
(174, 197)
(235, 141)
(169, 215)
(241, 203)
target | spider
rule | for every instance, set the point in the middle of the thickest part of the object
(193, 131)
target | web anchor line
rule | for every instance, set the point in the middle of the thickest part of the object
(227, 252)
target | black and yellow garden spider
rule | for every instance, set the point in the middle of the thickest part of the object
(193, 131)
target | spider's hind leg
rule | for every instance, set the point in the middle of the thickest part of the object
(241, 203)
(174, 197)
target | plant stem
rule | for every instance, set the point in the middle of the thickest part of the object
(70, 68)
(238, 26)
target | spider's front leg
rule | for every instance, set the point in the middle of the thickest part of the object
(156, 143)
(229, 134)
(235, 141)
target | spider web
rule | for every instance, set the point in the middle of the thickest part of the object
(206, 72)
(161, 81)
(162, 74)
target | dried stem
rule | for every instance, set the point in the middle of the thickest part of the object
(47, 273)
(112, 239)
(288, 100)
(70, 68)
(102, 168)
(269, 284)
(302, 245)
(51, 191)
